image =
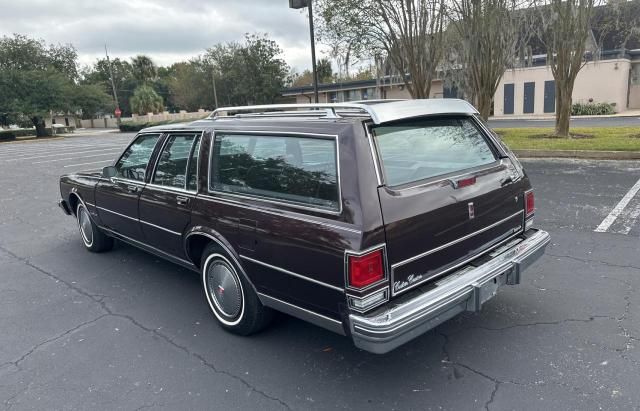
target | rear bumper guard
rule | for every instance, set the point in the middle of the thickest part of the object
(385, 330)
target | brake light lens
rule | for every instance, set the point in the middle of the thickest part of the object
(366, 269)
(466, 182)
(529, 203)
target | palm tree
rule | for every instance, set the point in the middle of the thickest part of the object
(143, 68)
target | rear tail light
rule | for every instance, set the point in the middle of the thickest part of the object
(365, 269)
(529, 203)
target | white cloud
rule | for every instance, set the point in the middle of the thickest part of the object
(168, 31)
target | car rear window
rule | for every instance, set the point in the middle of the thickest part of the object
(416, 150)
(298, 170)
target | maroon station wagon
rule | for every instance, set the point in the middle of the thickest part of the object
(376, 220)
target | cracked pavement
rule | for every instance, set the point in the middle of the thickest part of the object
(126, 330)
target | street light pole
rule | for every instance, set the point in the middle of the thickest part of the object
(298, 4)
(313, 52)
(113, 87)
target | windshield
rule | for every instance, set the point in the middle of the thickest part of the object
(419, 149)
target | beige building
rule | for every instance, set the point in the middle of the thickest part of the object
(531, 90)
(526, 91)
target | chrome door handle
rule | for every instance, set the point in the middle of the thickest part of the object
(132, 189)
(182, 200)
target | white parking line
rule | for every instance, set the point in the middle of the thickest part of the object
(85, 164)
(618, 209)
(72, 158)
(55, 150)
(58, 154)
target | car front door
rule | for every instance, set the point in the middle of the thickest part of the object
(117, 197)
(165, 203)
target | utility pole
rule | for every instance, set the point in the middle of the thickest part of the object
(213, 81)
(298, 4)
(113, 84)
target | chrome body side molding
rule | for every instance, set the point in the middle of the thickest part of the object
(303, 314)
(291, 273)
(153, 250)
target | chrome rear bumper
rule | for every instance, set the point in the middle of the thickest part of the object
(389, 328)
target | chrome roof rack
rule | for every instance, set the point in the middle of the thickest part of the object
(380, 111)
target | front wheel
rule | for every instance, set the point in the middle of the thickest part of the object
(231, 298)
(92, 237)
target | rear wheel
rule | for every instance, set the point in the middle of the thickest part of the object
(231, 298)
(92, 237)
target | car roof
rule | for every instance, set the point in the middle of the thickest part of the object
(376, 111)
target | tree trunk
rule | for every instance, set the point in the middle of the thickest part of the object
(38, 122)
(563, 110)
(484, 105)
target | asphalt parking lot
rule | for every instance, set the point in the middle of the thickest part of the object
(126, 330)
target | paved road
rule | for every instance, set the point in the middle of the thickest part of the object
(576, 122)
(125, 330)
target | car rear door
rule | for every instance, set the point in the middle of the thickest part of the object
(448, 195)
(165, 203)
(117, 197)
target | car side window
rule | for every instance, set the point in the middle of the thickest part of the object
(171, 170)
(192, 175)
(132, 164)
(301, 170)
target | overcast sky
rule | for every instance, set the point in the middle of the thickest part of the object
(166, 30)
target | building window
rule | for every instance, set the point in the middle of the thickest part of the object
(333, 97)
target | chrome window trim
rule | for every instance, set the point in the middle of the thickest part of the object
(495, 165)
(199, 142)
(291, 273)
(171, 189)
(285, 203)
(456, 241)
(303, 313)
(279, 213)
(125, 180)
(374, 153)
(198, 136)
(385, 264)
(490, 135)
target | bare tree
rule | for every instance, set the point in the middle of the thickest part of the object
(484, 36)
(409, 32)
(564, 28)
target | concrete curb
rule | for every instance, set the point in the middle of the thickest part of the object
(585, 154)
(635, 113)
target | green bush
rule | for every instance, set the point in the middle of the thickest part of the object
(130, 126)
(592, 109)
(134, 127)
(7, 135)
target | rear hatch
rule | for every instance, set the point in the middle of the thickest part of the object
(449, 194)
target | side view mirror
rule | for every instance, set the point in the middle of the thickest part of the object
(109, 171)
